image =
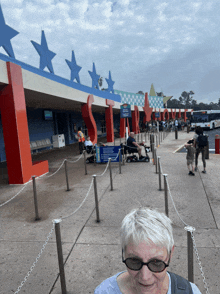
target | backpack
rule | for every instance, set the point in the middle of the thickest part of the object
(202, 141)
(179, 285)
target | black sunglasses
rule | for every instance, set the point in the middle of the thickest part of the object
(154, 265)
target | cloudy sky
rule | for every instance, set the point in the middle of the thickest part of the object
(172, 44)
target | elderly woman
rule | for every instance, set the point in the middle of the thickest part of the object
(147, 248)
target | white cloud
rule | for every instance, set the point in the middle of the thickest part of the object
(124, 36)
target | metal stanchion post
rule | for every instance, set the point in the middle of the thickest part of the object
(141, 137)
(110, 172)
(156, 164)
(67, 181)
(84, 153)
(190, 253)
(155, 152)
(123, 158)
(159, 138)
(166, 195)
(152, 152)
(35, 199)
(60, 255)
(159, 173)
(119, 154)
(176, 133)
(96, 199)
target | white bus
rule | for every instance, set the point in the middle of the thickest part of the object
(206, 119)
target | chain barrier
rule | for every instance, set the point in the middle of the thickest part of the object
(56, 170)
(116, 156)
(36, 260)
(16, 194)
(75, 160)
(199, 263)
(63, 217)
(193, 239)
(104, 170)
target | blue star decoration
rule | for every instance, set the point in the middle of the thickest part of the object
(95, 77)
(74, 68)
(45, 54)
(6, 34)
(110, 83)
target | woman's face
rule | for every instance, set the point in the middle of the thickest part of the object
(145, 281)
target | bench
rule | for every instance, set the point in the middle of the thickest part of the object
(40, 144)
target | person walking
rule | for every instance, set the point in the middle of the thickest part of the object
(200, 143)
(81, 139)
(190, 156)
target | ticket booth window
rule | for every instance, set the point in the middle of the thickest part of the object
(103, 127)
(84, 129)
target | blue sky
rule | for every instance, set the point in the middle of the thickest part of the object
(172, 44)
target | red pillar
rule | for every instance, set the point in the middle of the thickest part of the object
(173, 114)
(89, 119)
(184, 115)
(122, 127)
(15, 130)
(109, 120)
(135, 120)
(147, 109)
(166, 114)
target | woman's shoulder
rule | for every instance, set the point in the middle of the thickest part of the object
(195, 289)
(109, 286)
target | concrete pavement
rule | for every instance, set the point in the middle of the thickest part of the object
(92, 250)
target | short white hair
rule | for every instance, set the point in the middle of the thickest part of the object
(148, 225)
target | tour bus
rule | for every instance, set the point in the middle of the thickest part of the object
(206, 119)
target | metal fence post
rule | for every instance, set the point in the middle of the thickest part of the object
(60, 255)
(166, 195)
(155, 159)
(119, 154)
(155, 152)
(96, 198)
(176, 133)
(123, 158)
(67, 181)
(35, 199)
(152, 151)
(110, 172)
(159, 174)
(190, 253)
(84, 153)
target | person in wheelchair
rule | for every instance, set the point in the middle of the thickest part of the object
(89, 146)
(133, 145)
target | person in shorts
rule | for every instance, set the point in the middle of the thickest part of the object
(190, 156)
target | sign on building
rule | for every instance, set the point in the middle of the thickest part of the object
(125, 110)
